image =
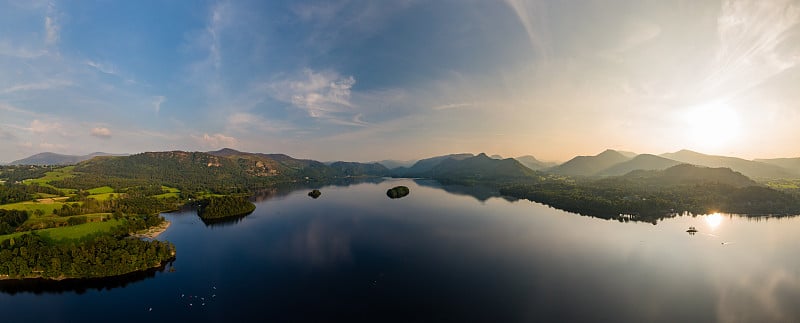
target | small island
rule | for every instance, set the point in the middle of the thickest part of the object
(397, 192)
(314, 194)
(221, 207)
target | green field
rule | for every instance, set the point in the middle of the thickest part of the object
(32, 206)
(101, 190)
(65, 234)
(170, 192)
(103, 196)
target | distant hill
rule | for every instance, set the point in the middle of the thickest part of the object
(359, 169)
(423, 166)
(752, 169)
(533, 163)
(392, 164)
(791, 164)
(480, 168)
(48, 158)
(640, 162)
(690, 174)
(495, 156)
(590, 165)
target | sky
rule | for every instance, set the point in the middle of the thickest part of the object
(405, 79)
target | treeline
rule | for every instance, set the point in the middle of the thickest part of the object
(13, 193)
(28, 256)
(19, 173)
(125, 204)
(219, 207)
(609, 201)
(10, 220)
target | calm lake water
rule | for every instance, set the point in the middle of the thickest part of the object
(441, 254)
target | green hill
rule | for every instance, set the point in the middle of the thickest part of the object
(790, 164)
(752, 169)
(533, 163)
(640, 162)
(422, 167)
(686, 174)
(480, 168)
(590, 165)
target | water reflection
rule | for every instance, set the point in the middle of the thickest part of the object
(480, 193)
(77, 286)
(713, 220)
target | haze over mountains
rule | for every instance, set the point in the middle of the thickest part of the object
(48, 158)
(608, 163)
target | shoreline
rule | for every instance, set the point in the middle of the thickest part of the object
(152, 232)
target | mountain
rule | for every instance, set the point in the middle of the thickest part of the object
(791, 164)
(359, 169)
(423, 166)
(496, 156)
(480, 168)
(392, 164)
(685, 174)
(48, 158)
(640, 162)
(533, 163)
(752, 169)
(590, 165)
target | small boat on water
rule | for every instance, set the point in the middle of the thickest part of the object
(692, 230)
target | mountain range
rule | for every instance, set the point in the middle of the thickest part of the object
(607, 163)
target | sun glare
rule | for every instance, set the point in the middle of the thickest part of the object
(713, 125)
(713, 220)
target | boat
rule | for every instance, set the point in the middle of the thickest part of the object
(692, 230)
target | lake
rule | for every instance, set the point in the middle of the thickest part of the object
(440, 254)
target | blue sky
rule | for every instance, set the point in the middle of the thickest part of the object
(370, 80)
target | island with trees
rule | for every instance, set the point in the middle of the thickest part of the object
(397, 192)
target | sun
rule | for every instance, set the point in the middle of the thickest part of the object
(713, 125)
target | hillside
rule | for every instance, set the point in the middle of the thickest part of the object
(392, 164)
(480, 168)
(685, 174)
(423, 166)
(590, 165)
(48, 158)
(640, 162)
(790, 164)
(359, 169)
(752, 169)
(533, 163)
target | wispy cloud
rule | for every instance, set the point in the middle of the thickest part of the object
(51, 30)
(157, 101)
(45, 85)
(323, 95)
(101, 132)
(216, 140)
(452, 106)
(246, 122)
(532, 15)
(42, 127)
(750, 37)
(103, 67)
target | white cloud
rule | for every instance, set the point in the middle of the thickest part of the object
(36, 86)
(452, 106)
(157, 101)
(216, 140)
(320, 94)
(41, 127)
(52, 29)
(103, 67)
(532, 16)
(101, 132)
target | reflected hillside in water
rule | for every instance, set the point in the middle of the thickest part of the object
(281, 190)
(77, 286)
(480, 193)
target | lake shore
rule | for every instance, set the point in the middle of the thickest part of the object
(152, 232)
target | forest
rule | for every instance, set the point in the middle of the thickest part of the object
(220, 207)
